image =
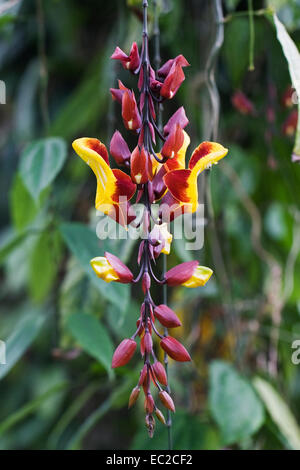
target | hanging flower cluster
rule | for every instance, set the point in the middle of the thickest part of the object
(154, 177)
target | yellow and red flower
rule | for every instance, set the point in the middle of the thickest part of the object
(114, 187)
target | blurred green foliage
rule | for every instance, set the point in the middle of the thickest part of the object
(59, 322)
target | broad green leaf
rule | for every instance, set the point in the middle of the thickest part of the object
(85, 245)
(23, 207)
(236, 52)
(279, 411)
(10, 245)
(22, 337)
(44, 264)
(292, 56)
(92, 337)
(40, 162)
(233, 403)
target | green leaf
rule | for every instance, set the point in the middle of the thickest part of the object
(23, 207)
(30, 408)
(44, 264)
(233, 403)
(292, 56)
(40, 162)
(237, 61)
(85, 245)
(279, 411)
(22, 337)
(10, 245)
(92, 337)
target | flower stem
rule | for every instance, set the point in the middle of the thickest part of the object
(252, 35)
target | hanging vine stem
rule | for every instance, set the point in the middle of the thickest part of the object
(252, 35)
(215, 109)
(157, 62)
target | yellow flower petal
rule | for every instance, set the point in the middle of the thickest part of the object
(199, 278)
(103, 269)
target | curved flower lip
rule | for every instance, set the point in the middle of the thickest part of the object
(129, 62)
(188, 274)
(178, 162)
(103, 269)
(173, 142)
(182, 184)
(140, 166)
(165, 69)
(199, 278)
(130, 113)
(111, 268)
(112, 185)
(179, 117)
(124, 273)
(180, 273)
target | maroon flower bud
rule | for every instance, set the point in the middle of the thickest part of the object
(179, 117)
(180, 273)
(129, 62)
(141, 250)
(130, 113)
(173, 143)
(166, 400)
(124, 273)
(143, 375)
(148, 342)
(146, 282)
(119, 149)
(160, 373)
(123, 353)
(166, 316)
(175, 349)
(142, 346)
(287, 97)
(149, 403)
(160, 416)
(133, 396)
(290, 124)
(242, 103)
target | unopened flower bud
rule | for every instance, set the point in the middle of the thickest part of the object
(160, 373)
(123, 353)
(148, 342)
(166, 400)
(166, 316)
(175, 349)
(133, 396)
(160, 416)
(146, 282)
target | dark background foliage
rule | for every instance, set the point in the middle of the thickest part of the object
(59, 323)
